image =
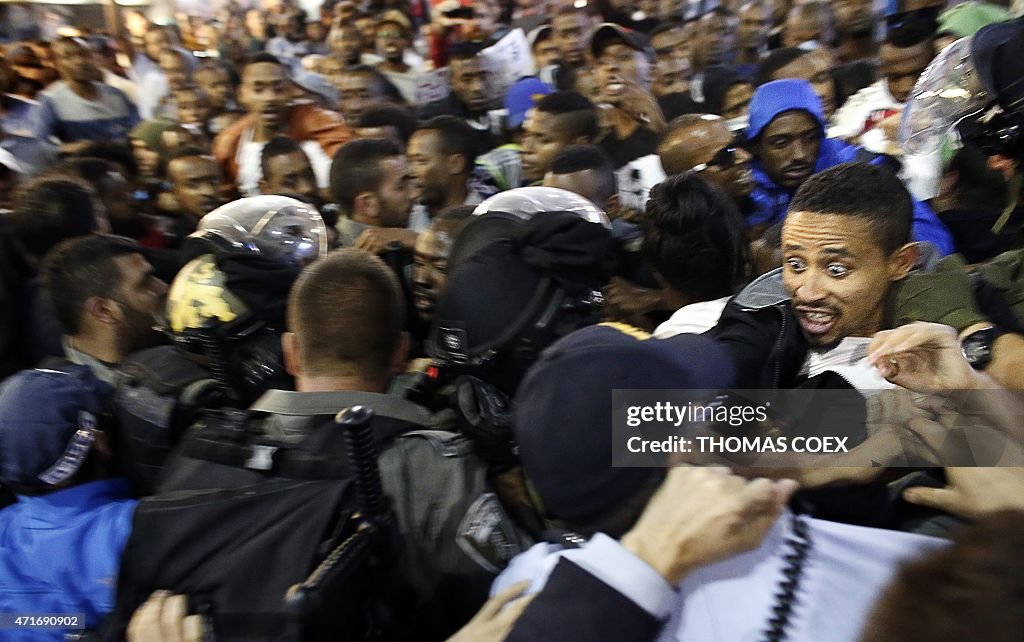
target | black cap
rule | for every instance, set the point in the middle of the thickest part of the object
(610, 33)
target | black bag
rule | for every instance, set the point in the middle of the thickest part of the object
(160, 393)
(281, 556)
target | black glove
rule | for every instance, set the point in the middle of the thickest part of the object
(485, 416)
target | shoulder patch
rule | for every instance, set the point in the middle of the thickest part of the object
(487, 535)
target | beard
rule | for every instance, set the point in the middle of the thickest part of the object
(137, 332)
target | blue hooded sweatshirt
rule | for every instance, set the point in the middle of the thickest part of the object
(771, 200)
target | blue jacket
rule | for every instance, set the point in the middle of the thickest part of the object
(771, 200)
(60, 554)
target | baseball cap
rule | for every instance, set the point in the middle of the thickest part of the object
(396, 17)
(563, 409)
(609, 33)
(48, 423)
(521, 98)
(314, 83)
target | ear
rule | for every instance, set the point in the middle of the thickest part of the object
(400, 356)
(366, 208)
(902, 261)
(263, 186)
(105, 311)
(581, 140)
(456, 164)
(290, 351)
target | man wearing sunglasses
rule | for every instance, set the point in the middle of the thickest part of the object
(787, 138)
(702, 143)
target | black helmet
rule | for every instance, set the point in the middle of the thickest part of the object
(525, 272)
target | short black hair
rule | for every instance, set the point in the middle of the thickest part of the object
(118, 153)
(457, 137)
(579, 158)
(264, 57)
(384, 86)
(397, 116)
(582, 158)
(356, 169)
(49, 210)
(79, 269)
(775, 61)
(186, 151)
(277, 146)
(579, 114)
(694, 236)
(864, 191)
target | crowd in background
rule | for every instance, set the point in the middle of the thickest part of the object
(478, 219)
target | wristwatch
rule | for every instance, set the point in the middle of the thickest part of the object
(977, 346)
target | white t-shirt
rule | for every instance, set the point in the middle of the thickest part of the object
(250, 170)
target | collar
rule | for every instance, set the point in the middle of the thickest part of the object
(349, 229)
(318, 404)
(101, 369)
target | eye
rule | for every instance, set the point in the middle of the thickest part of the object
(837, 270)
(795, 264)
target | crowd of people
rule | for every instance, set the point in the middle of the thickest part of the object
(310, 325)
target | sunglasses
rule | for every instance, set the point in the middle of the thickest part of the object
(723, 158)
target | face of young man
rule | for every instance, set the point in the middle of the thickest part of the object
(838, 275)
(545, 53)
(192, 107)
(173, 66)
(265, 90)
(816, 68)
(901, 67)
(391, 42)
(672, 64)
(346, 43)
(394, 197)
(290, 173)
(704, 144)
(469, 82)
(751, 31)
(140, 297)
(430, 267)
(571, 33)
(788, 148)
(854, 17)
(157, 41)
(429, 167)
(713, 42)
(357, 92)
(542, 140)
(619, 64)
(196, 184)
(216, 84)
(74, 62)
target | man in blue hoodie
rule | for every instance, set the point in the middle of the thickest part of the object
(786, 134)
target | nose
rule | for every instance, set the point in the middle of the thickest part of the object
(801, 151)
(809, 287)
(743, 156)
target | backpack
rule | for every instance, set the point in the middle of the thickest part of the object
(160, 393)
(298, 547)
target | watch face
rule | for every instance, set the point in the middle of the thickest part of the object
(977, 351)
